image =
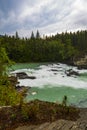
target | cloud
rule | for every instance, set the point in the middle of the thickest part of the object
(48, 16)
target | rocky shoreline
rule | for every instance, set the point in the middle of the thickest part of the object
(40, 115)
(35, 113)
(81, 62)
(79, 124)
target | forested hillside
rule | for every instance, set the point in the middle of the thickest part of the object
(59, 48)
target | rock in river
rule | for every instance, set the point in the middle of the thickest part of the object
(23, 75)
(71, 72)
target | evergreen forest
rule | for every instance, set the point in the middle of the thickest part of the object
(64, 47)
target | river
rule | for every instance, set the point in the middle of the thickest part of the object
(52, 82)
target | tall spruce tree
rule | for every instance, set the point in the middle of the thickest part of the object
(16, 35)
(37, 35)
(32, 35)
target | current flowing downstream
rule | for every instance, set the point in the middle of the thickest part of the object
(52, 82)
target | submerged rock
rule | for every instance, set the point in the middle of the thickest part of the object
(23, 75)
(71, 72)
(31, 77)
(54, 70)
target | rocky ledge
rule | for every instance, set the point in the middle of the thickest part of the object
(36, 114)
(81, 62)
(80, 124)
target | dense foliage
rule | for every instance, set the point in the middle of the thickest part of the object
(8, 94)
(59, 48)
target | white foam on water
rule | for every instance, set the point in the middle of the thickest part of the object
(52, 75)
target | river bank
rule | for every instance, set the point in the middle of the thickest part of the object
(39, 115)
(79, 124)
(35, 113)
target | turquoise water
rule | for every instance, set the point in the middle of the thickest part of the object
(25, 66)
(83, 76)
(53, 85)
(77, 97)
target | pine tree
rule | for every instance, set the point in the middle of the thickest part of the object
(37, 34)
(32, 35)
(16, 35)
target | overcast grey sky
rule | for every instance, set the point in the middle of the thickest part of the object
(48, 16)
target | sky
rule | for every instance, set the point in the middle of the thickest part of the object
(47, 16)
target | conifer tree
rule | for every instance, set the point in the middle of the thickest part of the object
(16, 35)
(32, 35)
(37, 35)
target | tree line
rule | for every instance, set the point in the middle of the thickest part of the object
(62, 47)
